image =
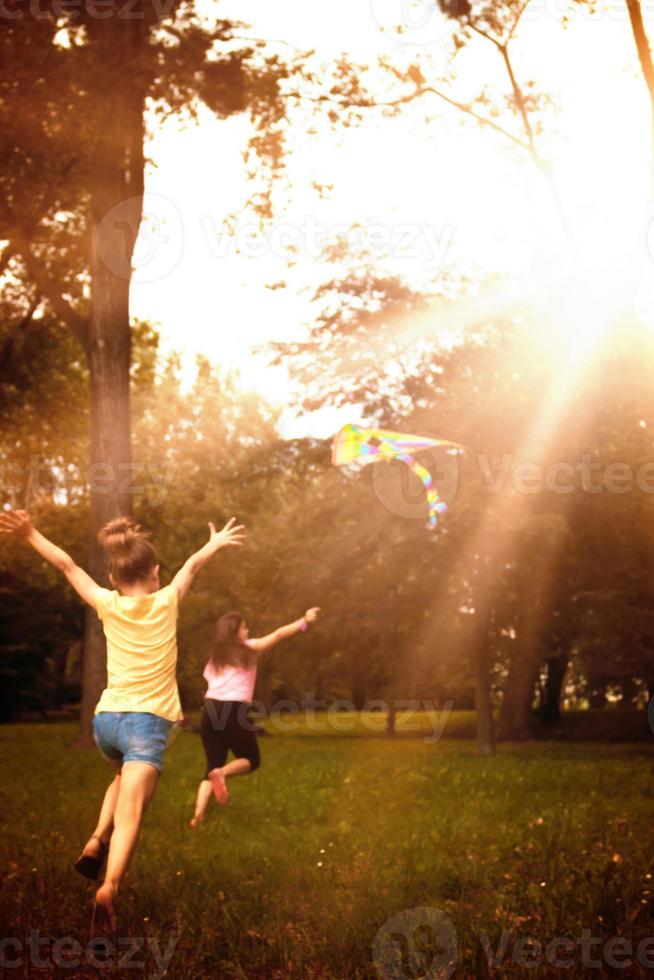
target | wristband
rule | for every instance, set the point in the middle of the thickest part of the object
(303, 625)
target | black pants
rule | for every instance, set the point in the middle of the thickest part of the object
(225, 727)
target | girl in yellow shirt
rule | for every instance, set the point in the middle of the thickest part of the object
(140, 704)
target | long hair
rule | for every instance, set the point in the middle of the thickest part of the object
(226, 647)
(130, 554)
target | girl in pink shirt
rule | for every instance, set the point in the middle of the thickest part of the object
(231, 674)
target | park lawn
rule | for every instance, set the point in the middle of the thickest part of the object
(331, 838)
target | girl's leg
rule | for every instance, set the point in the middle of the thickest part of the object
(219, 786)
(214, 729)
(202, 798)
(237, 767)
(138, 781)
(242, 740)
(105, 824)
(218, 777)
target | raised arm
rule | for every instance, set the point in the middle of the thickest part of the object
(229, 537)
(18, 523)
(264, 643)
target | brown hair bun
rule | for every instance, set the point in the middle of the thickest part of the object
(116, 535)
(130, 554)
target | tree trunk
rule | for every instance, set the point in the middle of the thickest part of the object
(390, 718)
(519, 686)
(517, 701)
(644, 52)
(544, 540)
(483, 702)
(550, 708)
(116, 209)
(109, 485)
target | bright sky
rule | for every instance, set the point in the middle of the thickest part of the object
(437, 194)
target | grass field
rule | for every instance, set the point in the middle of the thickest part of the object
(334, 836)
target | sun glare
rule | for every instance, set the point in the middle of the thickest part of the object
(443, 198)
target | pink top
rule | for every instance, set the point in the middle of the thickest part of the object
(230, 683)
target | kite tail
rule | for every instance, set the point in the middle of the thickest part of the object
(436, 505)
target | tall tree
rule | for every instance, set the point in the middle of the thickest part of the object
(74, 91)
(644, 52)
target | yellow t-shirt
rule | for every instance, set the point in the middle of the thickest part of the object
(141, 634)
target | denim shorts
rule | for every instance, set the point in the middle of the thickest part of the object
(133, 736)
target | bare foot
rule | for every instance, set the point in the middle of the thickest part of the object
(196, 819)
(219, 786)
(104, 912)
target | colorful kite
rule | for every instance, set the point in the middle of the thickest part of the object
(353, 443)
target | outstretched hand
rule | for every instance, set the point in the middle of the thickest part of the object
(311, 615)
(229, 536)
(17, 522)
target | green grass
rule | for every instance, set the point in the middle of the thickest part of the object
(426, 724)
(332, 837)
